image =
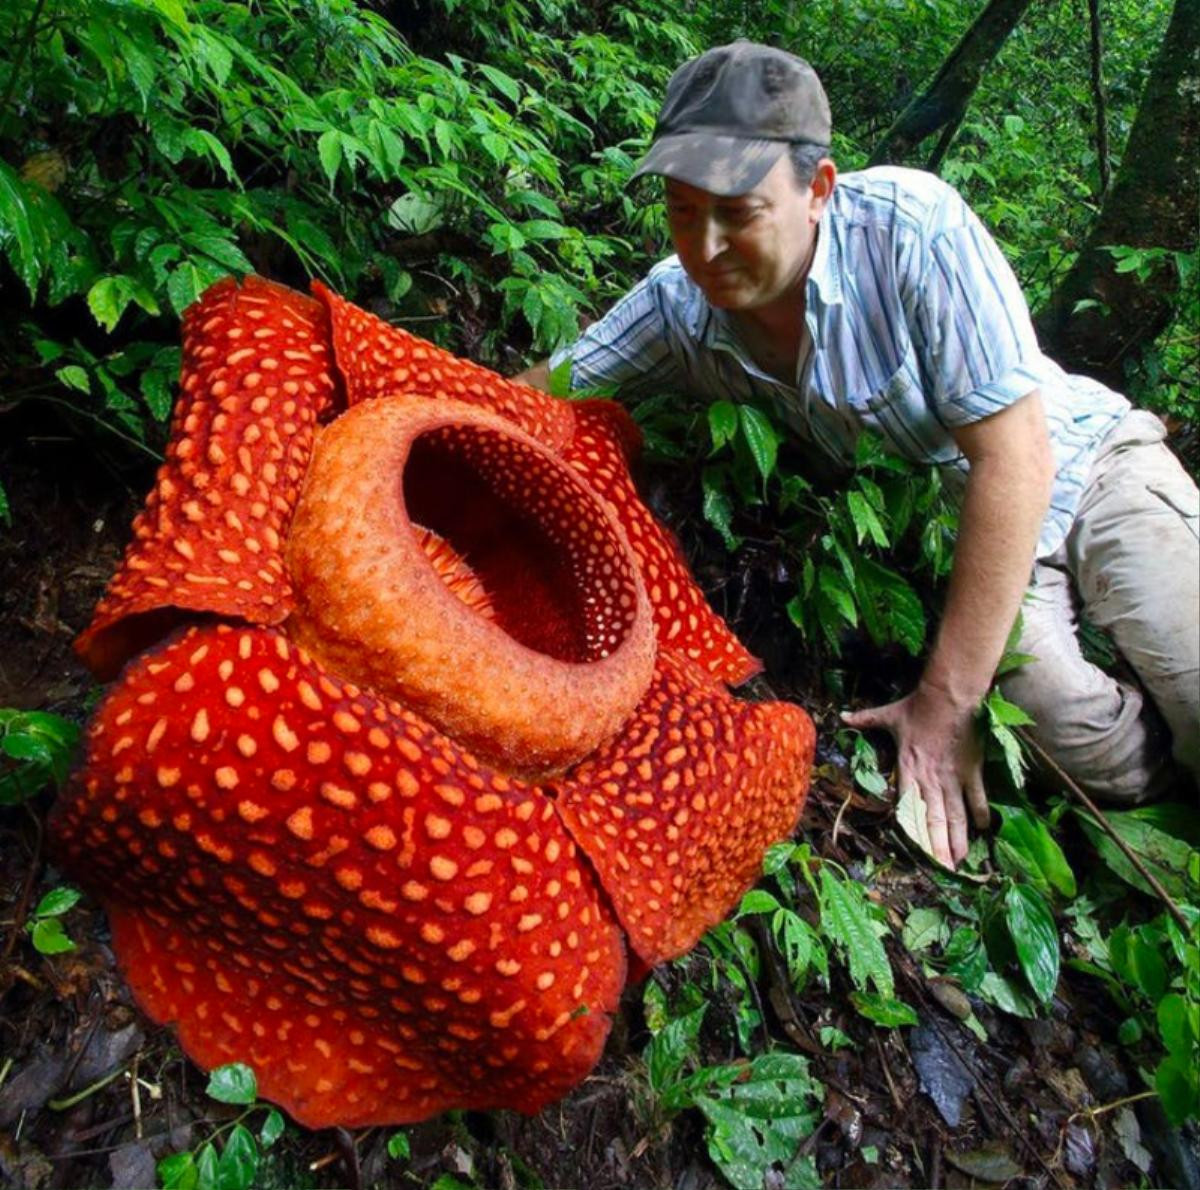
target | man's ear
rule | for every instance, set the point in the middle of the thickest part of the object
(823, 182)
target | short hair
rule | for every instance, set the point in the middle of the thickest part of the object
(805, 157)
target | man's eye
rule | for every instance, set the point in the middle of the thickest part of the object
(738, 216)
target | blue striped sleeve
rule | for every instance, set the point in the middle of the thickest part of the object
(981, 354)
(629, 348)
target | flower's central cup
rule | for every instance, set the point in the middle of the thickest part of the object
(448, 560)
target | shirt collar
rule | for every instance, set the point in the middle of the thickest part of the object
(824, 275)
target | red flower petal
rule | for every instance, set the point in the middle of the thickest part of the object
(378, 360)
(255, 379)
(676, 813)
(604, 443)
(563, 659)
(314, 881)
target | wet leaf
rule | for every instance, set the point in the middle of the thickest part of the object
(925, 927)
(1043, 860)
(234, 1083)
(178, 1172)
(1031, 925)
(49, 937)
(272, 1128)
(57, 901)
(238, 1162)
(992, 1164)
(883, 1010)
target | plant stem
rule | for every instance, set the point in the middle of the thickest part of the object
(80, 1096)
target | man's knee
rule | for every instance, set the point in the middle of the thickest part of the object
(1103, 733)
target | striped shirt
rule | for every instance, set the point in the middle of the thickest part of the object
(915, 325)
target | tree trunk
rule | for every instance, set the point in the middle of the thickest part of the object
(945, 100)
(1152, 203)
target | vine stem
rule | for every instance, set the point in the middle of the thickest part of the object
(1108, 829)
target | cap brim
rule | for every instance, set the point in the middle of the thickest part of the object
(723, 165)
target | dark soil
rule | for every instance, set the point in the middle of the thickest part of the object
(92, 1094)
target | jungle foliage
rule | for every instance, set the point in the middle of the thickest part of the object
(460, 167)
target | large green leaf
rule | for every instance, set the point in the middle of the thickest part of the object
(19, 230)
(759, 1122)
(761, 437)
(1031, 925)
(1162, 854)
(846, 919)
(1038, 856)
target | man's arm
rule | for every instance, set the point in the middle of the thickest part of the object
(537, 377)
(1007, 495)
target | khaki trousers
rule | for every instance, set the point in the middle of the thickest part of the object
(1132, 562)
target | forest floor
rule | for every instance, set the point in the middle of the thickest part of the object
(93, 1094)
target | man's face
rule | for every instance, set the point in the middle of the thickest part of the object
(752, 250)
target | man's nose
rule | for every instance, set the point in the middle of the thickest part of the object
(712, 240)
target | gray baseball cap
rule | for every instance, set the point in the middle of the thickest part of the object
(731, 113)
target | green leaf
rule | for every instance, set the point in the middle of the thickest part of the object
(1030, 837)
(505, 84)
(1162, 854)
(1129, 1032)
(560, 378)
(1031, 926)
(1001, 992)
(206, 1168)
(1139, 961)
(225, 252)
(107, 300)
(847, 920)
(177, 1172)
(414, 215)
(20, 223)
(73, 376)
(671, 1047)
(722, 423)
(966, 959)
(756, 1124)
(1178, 1085)
(831, 584)
(883, 1010)
(1179, 1024)
(49, 937)
(238, 1162)
(718, 507)
(234, 1083)
(761, 437)
(866, 520)
(925, 927)
(5, 507)
(57, 901)
(329, 152)
(757, 900)
(799, 945)
(398, 1146)
(543, 229)
(898, 603)
(272, 1128)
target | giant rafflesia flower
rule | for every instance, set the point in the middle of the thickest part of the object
(420, 728)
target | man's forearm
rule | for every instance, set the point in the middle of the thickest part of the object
(1005, 503)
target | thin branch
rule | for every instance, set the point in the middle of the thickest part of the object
(1107, 827)
(1098, 98)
